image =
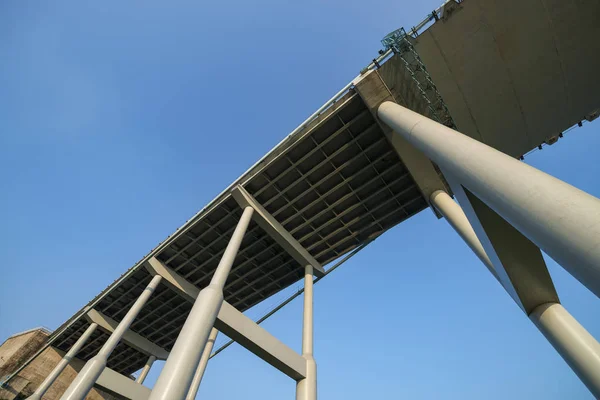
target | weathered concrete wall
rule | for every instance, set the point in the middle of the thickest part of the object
(16, 350)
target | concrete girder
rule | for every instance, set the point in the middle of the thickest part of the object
(260, 342)
(114, 382)
(130, 337)
(268, 223)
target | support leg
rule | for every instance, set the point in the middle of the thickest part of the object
(574, 344)
(458, 220)
(90, 372)
(558, 218)
(45, 385)
(140, 379)
(306, 389)
(202, 365)
(176, 376)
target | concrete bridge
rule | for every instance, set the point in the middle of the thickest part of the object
(447, 109)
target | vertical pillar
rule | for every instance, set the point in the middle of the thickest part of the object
(306, 389)
(90, 372)
(142, 377)
(176, 376)
(45, 385)
(191, 395)
(574, 344)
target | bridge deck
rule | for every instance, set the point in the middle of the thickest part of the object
(338, 182)
(333, 186)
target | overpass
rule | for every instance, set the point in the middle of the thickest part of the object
(446, 110)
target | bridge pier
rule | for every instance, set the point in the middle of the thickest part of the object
(45, 385)
(560, 219)
(90, 372)
(576, 346)
(306, 389)
(177, 374)
(191, 395)
(510, 210)
(142, 377)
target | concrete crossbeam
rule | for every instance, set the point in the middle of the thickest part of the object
(260, 342)
(122, 386)
(267, 222)
(172, 279)
(133, 339)
(238, 327)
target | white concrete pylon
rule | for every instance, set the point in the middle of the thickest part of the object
(142, 377)
(45, 385)
(202, 365)
(306, 389)
(177, 373)
(560, 219)
(82, 384)
(458, 220)
(574, 344)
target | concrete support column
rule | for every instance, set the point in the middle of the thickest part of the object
(458, 220)
(560, 219)
(177, 374)
(306, 389)
(197, 379)
(90, 372)
(142, 377)
(45, 385)
(575, 345)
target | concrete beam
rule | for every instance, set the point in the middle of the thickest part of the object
(373, 90)
(114, 382)
(260, 342)
(172, 279)
(238, 327)
(130, 337)
(267, 222)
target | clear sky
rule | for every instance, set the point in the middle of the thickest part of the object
(120, 120)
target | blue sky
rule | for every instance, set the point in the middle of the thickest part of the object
(118, 121)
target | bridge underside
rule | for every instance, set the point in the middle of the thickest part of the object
(339, 181)
(514, 74)
(335, 185)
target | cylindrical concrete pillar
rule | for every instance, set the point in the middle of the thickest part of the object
(142, 377)
(560, 219)
(575, 345)
(458, 220)
(197, 379)
(45, 385)
(90, 372)
(306, 389)
(177, 374)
